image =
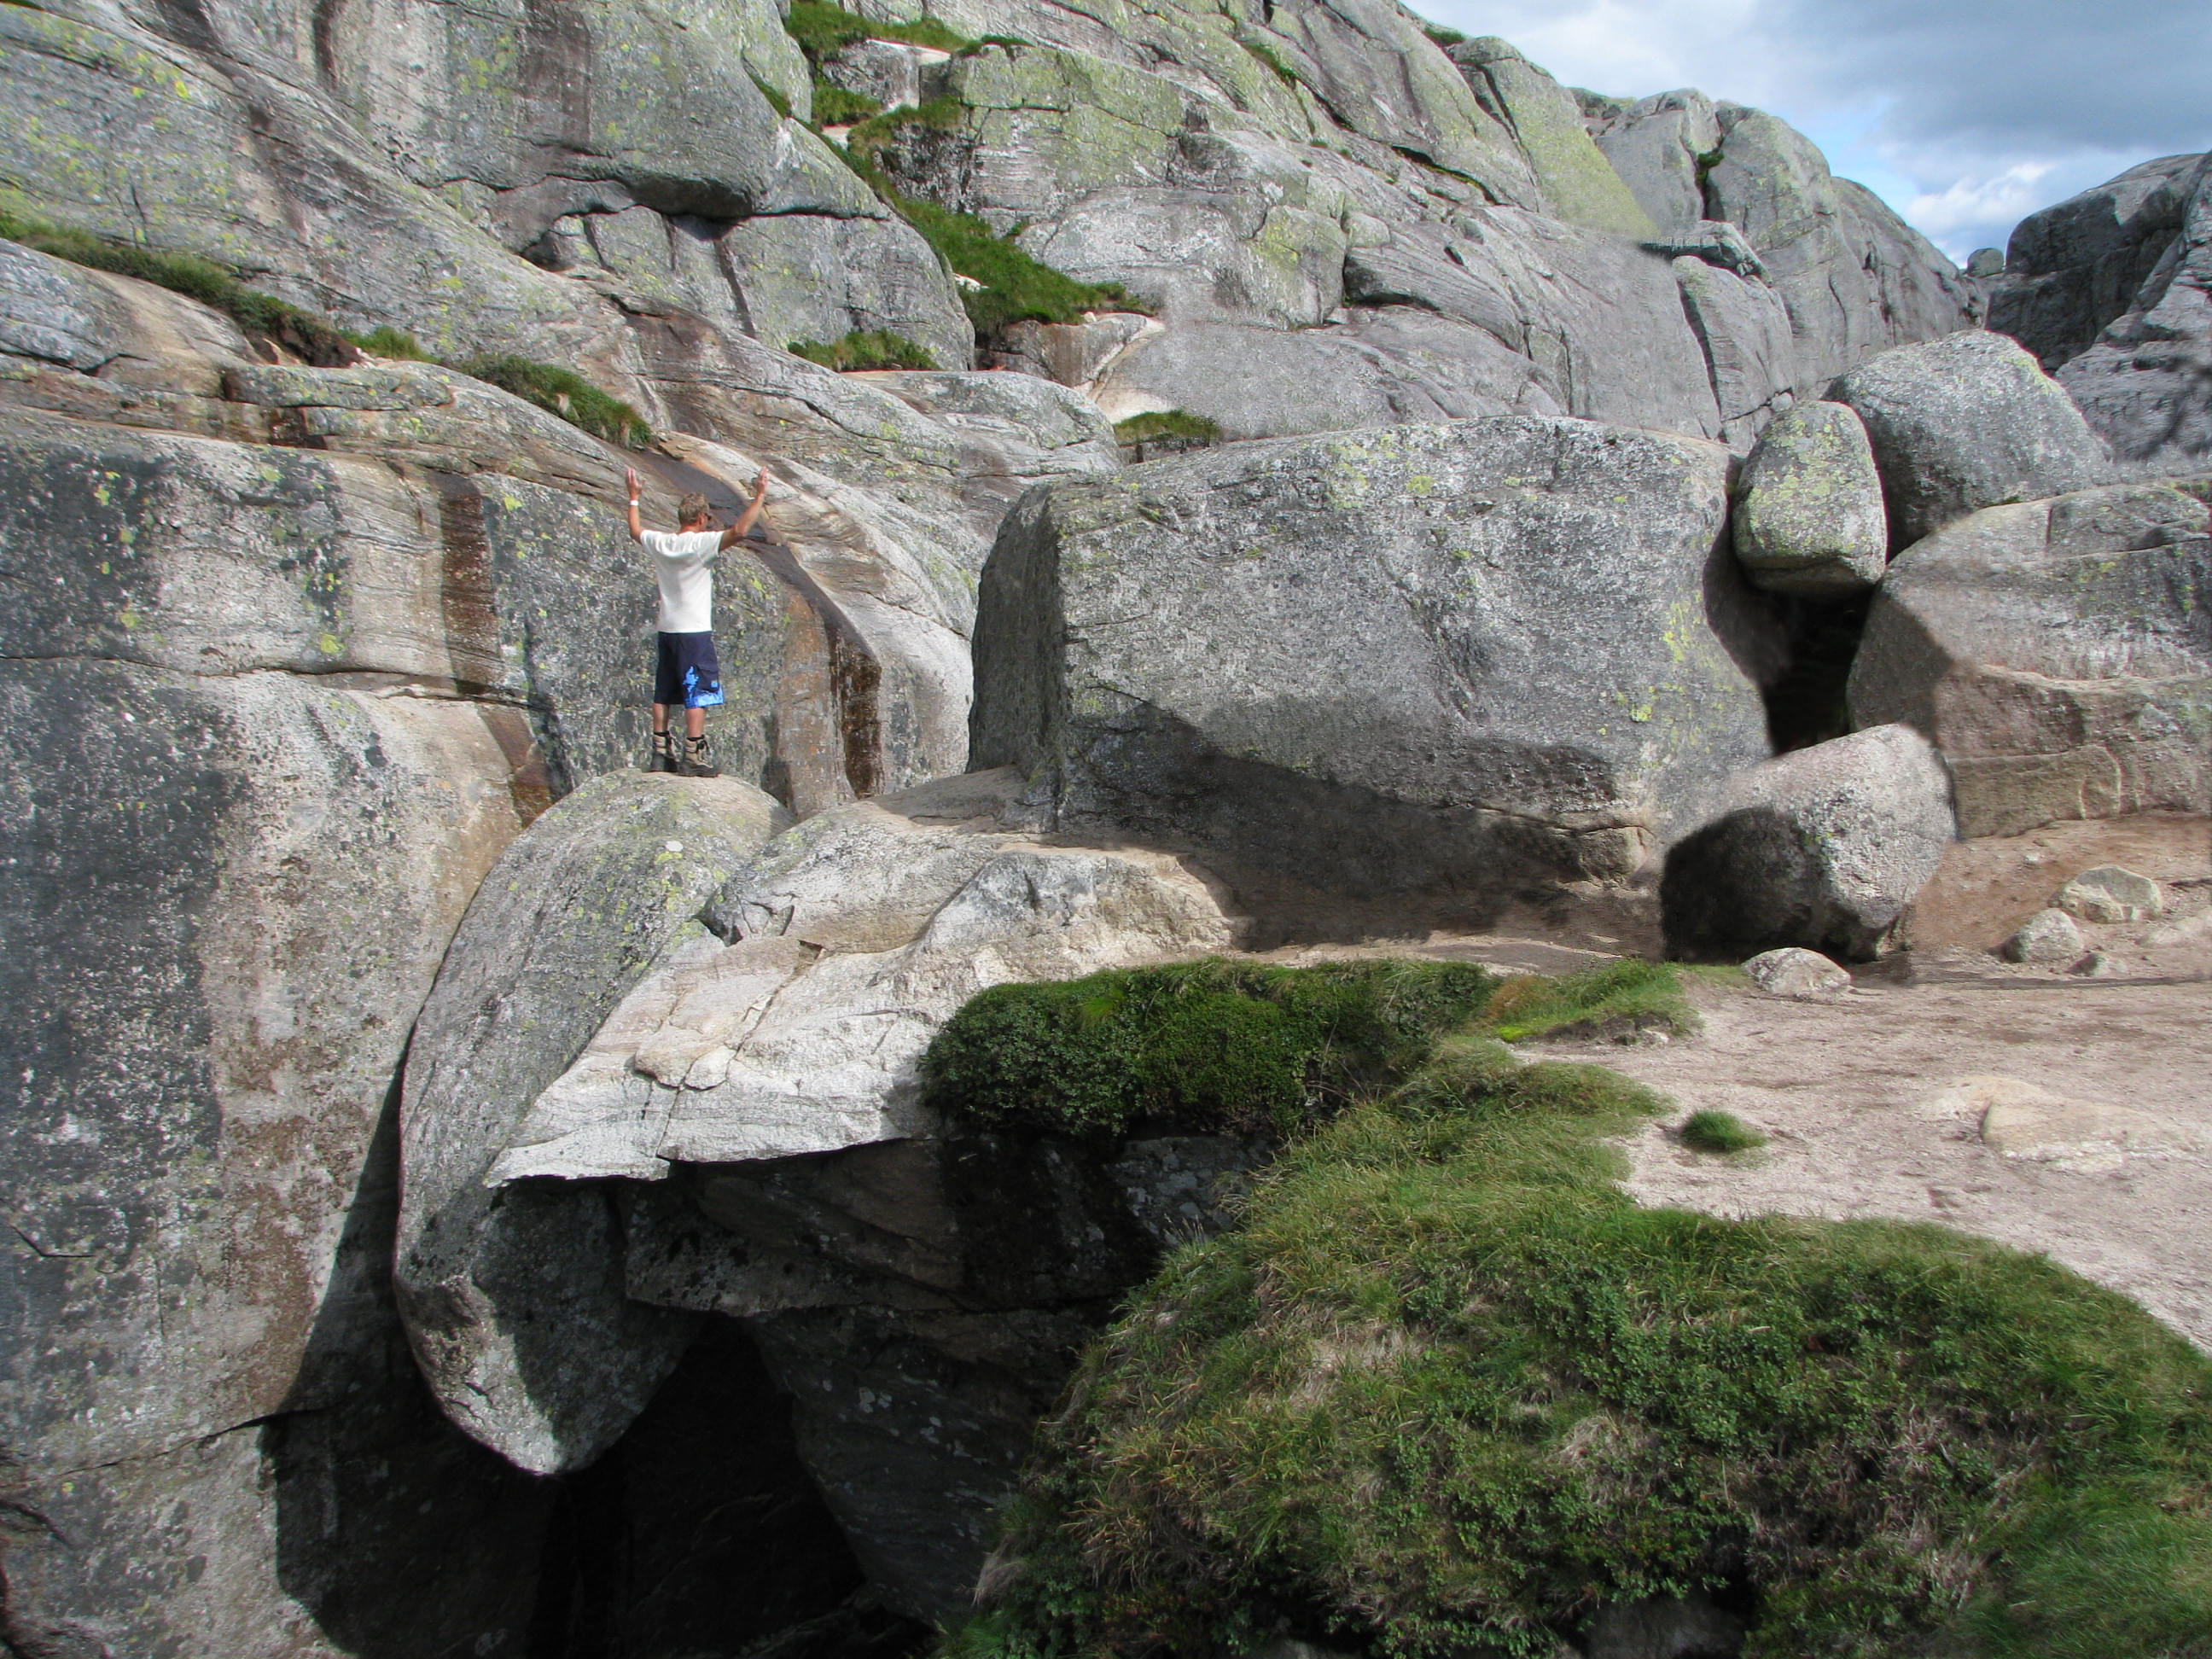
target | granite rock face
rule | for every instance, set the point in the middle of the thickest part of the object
(1967, 422)
(1808, 515)
(2073, 268)
(2057, 651)
(512, 1299)
(1822, 848)
(1854, 278)
(2147, 383)
(1391, 665)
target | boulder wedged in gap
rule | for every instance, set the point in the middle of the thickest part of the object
(1808, 515)
(1967, 422)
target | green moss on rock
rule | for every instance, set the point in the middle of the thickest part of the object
(1210, 1045)
(1449, 1391)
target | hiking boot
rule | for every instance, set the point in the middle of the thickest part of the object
(663, 758)
(697, 760)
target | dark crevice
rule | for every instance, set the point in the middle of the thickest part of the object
(1806, 704)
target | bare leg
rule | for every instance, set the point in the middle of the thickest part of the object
(659, 717)
(695, 722)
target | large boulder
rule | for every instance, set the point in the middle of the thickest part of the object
(2147, 383)
(1411, 669)
(1968, 421)
(1822, 848)
(512, 1299)
(1808, 515)
(2057, 652)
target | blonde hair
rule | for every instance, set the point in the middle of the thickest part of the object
(692, 508)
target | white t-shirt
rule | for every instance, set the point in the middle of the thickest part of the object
(683, 562)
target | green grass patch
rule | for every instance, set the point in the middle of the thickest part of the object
(823, 30)
(1207, 1046)
(1711, 1131)
(1443, 36)
(1016, 288)
(565, 393)
(312, 337)
(1274, 59)
(874, 347)
(1447, 1391)
(834, 107)
(1615, 998)
(1167, 424)
(385, 341)
(776, 100)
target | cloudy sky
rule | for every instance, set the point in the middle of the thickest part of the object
(1966, 115)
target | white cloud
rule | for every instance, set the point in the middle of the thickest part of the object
(1964, 115)
(1970, 203)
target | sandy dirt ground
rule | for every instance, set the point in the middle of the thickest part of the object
(1857, 1094)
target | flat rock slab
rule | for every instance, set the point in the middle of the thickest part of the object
(2023, 1120)
(1856, 1094)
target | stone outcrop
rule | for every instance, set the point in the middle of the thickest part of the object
(1808, 513)
(2073, 269)
(1822, 848)
(1795, 972)
(2147, 383)
(1375, 666)
(1967, 422)
(2055, 652)
(1854, 280)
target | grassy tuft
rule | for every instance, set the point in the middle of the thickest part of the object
(565, 393)
(1447, 1391)
(1207, 1046)
(1618, 997)
(1721, 1132)
(1274, 59)
(1443, 36)
(385, 341)
(874, 347)
(1016, 288)
(836, 107)
(1176, 423)
(776, 100)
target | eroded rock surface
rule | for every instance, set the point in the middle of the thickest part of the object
(1808, 515)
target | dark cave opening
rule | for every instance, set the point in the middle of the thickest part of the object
(1806, 704)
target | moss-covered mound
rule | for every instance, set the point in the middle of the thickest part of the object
(1448, 1391)
(1205, 1045)
(1616, 999)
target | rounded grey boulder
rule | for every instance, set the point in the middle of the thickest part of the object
(2109, 893)
(1797, 974)
(1967, 422)
(2048, 939)
(1808, 516)
(1822, 848)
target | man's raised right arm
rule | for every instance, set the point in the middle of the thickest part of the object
(636, 527)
